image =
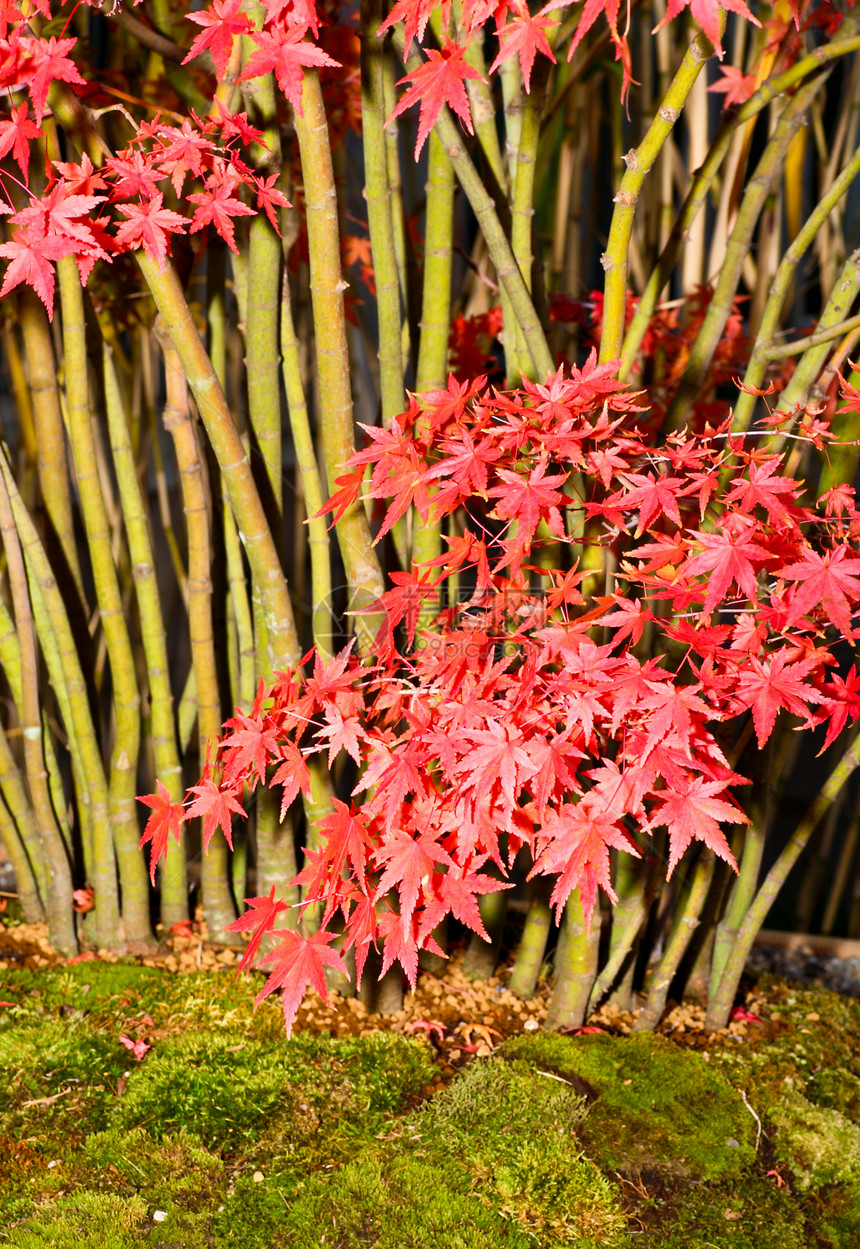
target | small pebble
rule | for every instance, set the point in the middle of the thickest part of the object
(531, 1025)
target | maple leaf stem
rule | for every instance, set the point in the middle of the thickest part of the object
(67, 679)
(162, 732)
(763, 350)
(176, 418)
(259, 545)
(738, 246)
(122, 775)
(327, 286)
(772, 89)
(639, 164)
(720, 1001)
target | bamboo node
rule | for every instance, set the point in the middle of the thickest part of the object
(667, 114)
(631, 159)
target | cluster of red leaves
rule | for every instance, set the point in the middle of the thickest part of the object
(530, 720)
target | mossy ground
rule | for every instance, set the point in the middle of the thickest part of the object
(226, 1134)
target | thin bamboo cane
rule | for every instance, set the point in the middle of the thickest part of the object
(639, 164)
(378, 199)
(688, 921)
(363, 573)
(720, 1002)
(56, 867)
(698, 192)
(177, 420)
(283, 641)
(52, 461)
(720, 307)
(174, 891)
(576, 971)
(25, 881)
(126, 697)
(23, 835)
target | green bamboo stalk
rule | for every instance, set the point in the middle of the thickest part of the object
(28, 892)
(403, 251)
(52, 462)
(432, 370)
(283, 642)
(522, 204)
(720, 1002)
(810, 364)
(576, 970)
(491, 227)
(687, 922)
(701, 185)
(482, 956)
(532, 947)
(174, 890)
(319, 545)
(55, 866)
(21, 834)
(363, 573)
(176, 418)
(243, 680)
(379, 219)
(264, 261)
(10, 660)
(126, 697)
(737, 248)
(763, 350)
(639, 164)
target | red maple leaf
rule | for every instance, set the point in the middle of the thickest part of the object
(292, 773)
(150, 226)
(766, 686)
(731, 555)
(830, 581)
(221, 24)
(15, 136)
(165, 819)
(217, 805)
(251, 745)
(218, 205)
(692, 814)
(299, 961)
(735, 84)
(437, 82)
(524, 37)
(261, 919)
(408, 863)
(286, 51)
(48, 64)
(415, 14)
(30, 261)
(707, 14)
(576, 841)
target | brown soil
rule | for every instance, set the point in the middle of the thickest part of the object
(461, 1017)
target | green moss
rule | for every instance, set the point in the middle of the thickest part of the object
(492, 1160)
(83, 1218)
(176, 1171)
(819, 1144)
(236, 1093)
(750, 1213)
(652, 1105)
